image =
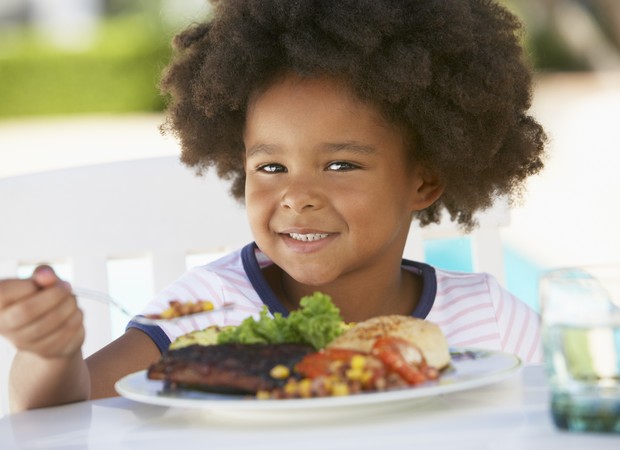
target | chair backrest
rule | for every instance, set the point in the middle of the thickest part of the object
(86, 216)
(487, 250)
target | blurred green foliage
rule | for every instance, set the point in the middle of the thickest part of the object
(548, 52)
(570, 35)
(118, 73)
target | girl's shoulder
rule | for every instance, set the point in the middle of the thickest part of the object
(222, 281)
(451, 283)
(474, 310)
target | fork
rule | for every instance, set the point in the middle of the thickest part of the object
(102, 297)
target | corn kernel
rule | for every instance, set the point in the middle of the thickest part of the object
(366, 376)
(168, 313)
(358, 362)
(291, 388)
(340, 389)
(354, 374)
(263, 395)
(206, 305)
(280, 372)
(305, 388)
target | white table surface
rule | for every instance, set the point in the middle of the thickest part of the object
(511, 414)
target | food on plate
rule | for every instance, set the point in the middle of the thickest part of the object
(228, 368)
(178, 308)
(317, 322)
(310, 353)
(381, 353)
(207, 336)
(425, 335)
(241, 358)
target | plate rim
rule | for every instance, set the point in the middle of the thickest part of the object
(222, 402)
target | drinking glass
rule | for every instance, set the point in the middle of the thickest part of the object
(580, 312)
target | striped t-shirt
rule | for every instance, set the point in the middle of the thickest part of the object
(472, 309)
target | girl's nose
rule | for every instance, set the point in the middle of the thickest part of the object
(301, 195)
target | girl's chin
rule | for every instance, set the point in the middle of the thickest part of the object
(309, 277)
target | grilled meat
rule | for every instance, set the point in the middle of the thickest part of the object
(227, 368)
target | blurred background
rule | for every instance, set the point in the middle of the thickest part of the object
(79, 76)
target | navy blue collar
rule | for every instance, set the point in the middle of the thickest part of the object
(269, 298)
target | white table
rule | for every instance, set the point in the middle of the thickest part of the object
(512, 414)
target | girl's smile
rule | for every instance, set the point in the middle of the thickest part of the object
(306, 242)
(308, 237)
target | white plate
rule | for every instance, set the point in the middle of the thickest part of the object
(471, 368)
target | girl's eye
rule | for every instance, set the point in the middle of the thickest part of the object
(271, 168)
(341, 166)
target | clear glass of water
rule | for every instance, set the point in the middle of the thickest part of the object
(580, 311)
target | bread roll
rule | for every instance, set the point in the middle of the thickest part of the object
(427, 336)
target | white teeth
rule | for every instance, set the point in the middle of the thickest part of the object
(308, 237)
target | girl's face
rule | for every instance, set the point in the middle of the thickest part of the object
(329, 192)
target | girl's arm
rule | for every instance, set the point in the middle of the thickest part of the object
(37, 382)
(131, 352)
(41, 318)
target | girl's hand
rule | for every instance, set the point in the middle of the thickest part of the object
(40, 315)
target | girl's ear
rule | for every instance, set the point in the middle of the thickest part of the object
(428, 188)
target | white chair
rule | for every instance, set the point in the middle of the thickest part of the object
(84, 217)
(486, 243)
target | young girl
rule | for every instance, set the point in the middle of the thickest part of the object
(338, 123)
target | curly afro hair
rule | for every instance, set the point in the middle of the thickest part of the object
(451, 71)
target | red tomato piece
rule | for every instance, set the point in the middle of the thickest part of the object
(323, 363)
(403, 358)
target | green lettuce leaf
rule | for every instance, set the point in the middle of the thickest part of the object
(317, 322)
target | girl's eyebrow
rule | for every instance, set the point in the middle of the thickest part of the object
(260, 148)
(350, 146)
